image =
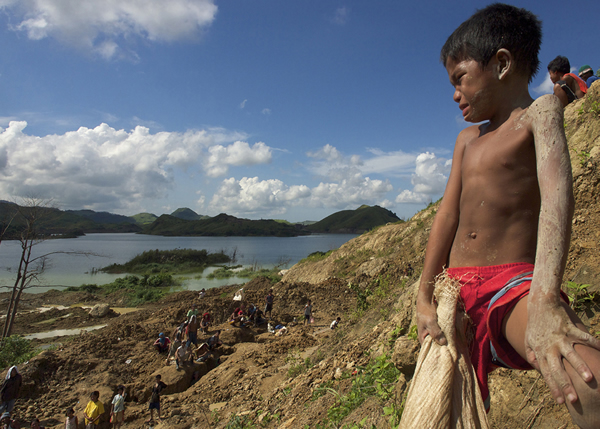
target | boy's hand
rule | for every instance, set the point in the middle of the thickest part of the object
(427, 323)
(550, 337)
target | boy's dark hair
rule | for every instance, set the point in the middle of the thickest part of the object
(69, 410)
(560, 64)
(495, 27)
(95, 393)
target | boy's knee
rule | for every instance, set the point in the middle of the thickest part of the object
(586, 411)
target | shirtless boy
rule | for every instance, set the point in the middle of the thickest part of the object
(508, 194)
(568, 87)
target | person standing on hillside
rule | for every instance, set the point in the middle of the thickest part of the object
(192, 312)
(93, 410)
(192, 331)
(307, 312)
(508, 205)
(269, 304)
(11, 387)
(155, 399)
(117, 408)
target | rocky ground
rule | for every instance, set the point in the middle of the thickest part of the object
(300, 379)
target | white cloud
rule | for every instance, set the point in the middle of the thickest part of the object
(342, 14)
(429, 179)
(106, 169)
(239, 153)
(250, 195)
(395, 163)
(100, 25)
(546, 87)
(349, 193)
(266, 111)
(243, 104)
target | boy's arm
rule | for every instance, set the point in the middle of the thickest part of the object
(439, 244)
(550, 335)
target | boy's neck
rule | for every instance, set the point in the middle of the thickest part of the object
(513, 97)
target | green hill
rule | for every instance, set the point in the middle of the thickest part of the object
(187, 214)
(102, 217)
(356, 221)
(221, 225)
(144, 218)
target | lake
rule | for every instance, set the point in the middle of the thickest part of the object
(105, 249)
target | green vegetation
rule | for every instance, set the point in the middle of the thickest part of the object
(136, 290)
(221, 225)
(15, 350)
(297, 364)
(246, 273)
(583, 157)
(170, 261)
(378, 380)
(144, 218)
(579, 295)
(187, 214)
(56, 223)
(315, 256)
(356, 221)
(413, 334)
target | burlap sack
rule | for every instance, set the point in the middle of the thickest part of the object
(444, 392)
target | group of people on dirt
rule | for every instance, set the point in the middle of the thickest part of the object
(184, 346)
(568, 86)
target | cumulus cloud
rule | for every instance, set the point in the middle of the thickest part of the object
(100, 26)
(104, 168)
(239, 153)
(428, 180)
(250, 195)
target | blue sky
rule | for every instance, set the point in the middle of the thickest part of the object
(259, 109)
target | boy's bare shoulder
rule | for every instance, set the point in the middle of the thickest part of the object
(544, 109)
(468, 134)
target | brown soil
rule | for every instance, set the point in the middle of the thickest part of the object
(254, 378)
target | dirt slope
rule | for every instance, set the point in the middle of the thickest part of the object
(297, 380)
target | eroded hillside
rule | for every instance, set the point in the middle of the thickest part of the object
(311, 377)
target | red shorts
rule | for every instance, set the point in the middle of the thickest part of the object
(488, 294)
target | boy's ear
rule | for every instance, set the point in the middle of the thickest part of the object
(505, 63)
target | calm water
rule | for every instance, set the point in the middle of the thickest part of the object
(74, 270)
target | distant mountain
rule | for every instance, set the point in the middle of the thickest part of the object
(144, 218)
(356, 221)
(187, 214)
(102, 217)
(52, 221)
(221, 225)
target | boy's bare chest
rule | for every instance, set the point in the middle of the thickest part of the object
(502, 152)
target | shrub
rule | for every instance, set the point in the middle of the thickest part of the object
(15, 350)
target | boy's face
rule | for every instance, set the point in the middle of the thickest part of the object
(473, 88)
(554, 76)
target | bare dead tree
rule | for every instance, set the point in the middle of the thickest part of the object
(30, 268)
